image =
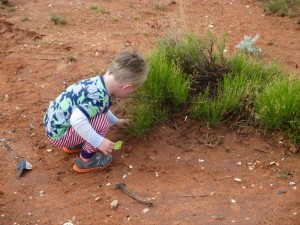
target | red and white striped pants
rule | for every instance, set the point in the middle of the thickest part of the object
(100, 123)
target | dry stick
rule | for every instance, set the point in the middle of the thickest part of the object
(259, 150)
(122, 187)
(194, 196)
(225, 178)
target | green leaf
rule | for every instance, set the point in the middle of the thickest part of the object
(118, 145)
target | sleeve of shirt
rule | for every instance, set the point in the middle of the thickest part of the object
(81, 125)
(112, 118)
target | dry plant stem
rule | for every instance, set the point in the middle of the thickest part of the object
(122, 187)
(224, 178)
(259, 150)
(194, 196)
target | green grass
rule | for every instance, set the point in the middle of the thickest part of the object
(191, 73)
(144, 116)
(282, 7)
(58, 20)
(165, 90)
(200, 57)
(278, 103)
(94, 7)
(278, 107)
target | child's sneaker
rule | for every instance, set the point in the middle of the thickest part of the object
(98, 161)
(73, 149)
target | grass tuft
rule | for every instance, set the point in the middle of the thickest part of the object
(289, 8)
(165, 90)
(58, 20)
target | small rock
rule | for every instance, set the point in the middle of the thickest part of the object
(237, 179)
(145, 210)
(97, 199)
(233, 201)
(114, 204)
(68, 223)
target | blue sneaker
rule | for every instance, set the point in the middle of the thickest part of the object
(98, 161)
(73, 149)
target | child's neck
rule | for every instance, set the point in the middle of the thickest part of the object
(109, 83)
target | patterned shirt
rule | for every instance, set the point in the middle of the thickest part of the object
(89, 95)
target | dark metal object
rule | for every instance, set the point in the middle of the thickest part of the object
(122, 187)
(23, 165)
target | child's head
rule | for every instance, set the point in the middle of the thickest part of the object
(130, 67)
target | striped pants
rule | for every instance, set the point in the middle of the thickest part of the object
(100, 123)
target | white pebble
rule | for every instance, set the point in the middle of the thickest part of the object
(114, 204)
(145, 210)
(237, 179)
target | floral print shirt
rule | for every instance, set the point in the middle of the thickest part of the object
(89, 95)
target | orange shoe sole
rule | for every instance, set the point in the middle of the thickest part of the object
(77, 169)
(65, 149)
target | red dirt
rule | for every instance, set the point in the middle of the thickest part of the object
(167, 164)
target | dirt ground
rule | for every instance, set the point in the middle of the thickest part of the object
(194, 175)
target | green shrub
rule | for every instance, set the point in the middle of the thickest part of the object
(294, 129)
(207, 110)
(282, 7)
(278, 104)
(237, 91)
(201, 57)
(230, 96)
(56, 19)
(165, 90)
(166, 83)
(94, 7)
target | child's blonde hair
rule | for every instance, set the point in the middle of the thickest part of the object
(129, 66)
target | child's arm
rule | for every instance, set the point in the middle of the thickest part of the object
(81, 125)
(113, 120)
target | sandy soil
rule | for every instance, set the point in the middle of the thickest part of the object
(195, 175)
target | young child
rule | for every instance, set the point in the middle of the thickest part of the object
(79, 118)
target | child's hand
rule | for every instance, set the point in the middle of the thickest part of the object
(122, 122)
(106, 146)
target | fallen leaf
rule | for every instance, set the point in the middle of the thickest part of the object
(118, 145)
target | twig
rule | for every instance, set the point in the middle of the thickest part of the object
(194, 196)
(259, 150)
(225, 178)
(122, 187)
